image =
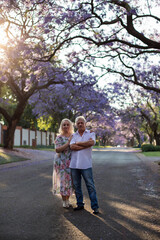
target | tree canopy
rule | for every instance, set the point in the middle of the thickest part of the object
(73, 44)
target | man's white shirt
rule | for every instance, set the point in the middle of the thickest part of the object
(82, 159)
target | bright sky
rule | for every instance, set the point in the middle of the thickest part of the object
(3, 36)
(105, 79)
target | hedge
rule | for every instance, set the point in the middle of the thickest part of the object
(150, 148)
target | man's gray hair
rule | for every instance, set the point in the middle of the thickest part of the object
(80, 118)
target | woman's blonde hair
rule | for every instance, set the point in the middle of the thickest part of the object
(71, 129)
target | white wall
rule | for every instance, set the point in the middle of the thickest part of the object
(38, 138)
(32, 136)
(53, 137)
(43, 138)
(17, 137)
(48, 133)
(25, 136)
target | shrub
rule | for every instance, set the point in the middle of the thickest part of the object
(97, 143)
(149, 148)
(157, 148)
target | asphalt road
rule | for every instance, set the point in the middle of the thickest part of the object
(128, 190)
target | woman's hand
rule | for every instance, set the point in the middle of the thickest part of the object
(65, 146)
(70, 139)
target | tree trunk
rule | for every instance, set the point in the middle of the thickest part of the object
(157, 138)
(151, 138)
(9, 141)
(137, 136)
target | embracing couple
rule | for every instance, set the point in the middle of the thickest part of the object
(73, 160)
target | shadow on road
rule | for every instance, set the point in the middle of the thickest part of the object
(127, 211)
(120, 218)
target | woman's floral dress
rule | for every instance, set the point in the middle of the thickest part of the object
(62, 182)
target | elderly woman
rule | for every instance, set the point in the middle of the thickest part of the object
(62, 183)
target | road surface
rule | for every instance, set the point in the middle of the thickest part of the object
(128, 190)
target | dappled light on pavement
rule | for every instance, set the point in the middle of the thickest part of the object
(117, 149)
(138, 215)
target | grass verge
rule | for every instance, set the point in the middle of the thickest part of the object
(8, 158)
(45, 149)
(38, 147)
(151, 154)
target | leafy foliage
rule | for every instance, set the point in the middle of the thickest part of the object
(57, 48)
(150, 148)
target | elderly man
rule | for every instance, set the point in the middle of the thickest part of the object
(81, 164)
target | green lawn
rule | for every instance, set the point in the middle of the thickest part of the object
(101, 146)
(151, 154)
(45, 149)
(7, 158)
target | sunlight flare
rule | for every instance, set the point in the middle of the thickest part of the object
(3, 38)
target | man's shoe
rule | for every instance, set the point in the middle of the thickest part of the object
(96, 211)
(78, 208)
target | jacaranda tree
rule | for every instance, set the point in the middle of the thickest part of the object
(50, 40)
(122, 34)
(141, 115)
(70, 100)
(24, 65)
(148, 111)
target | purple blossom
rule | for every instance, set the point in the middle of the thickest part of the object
(4, 79)
(46, 31)
(48, 19)
(58, 21)
(109, 43)
(132, 12)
